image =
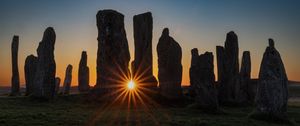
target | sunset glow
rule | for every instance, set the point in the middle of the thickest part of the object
(131, 85)
(197, 24)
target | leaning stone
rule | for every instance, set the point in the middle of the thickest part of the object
(68, 80)
(272, 88)
(44, 82)
(30, 70)
(169, 66)
(113, 53)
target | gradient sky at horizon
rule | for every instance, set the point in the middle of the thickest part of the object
(194, 24)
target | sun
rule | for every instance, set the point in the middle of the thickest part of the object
(131, 85)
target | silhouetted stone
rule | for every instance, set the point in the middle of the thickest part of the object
(220, 63)
(272, 91)
(83, 74)
(229, 69)
(202, 79)
(169, 66)
(44, 84)
(193, 74)
(142, 64)
(113, 52)
(68, 80)
(15, 80)
(30, 70)
(246, 93)
(57, 84)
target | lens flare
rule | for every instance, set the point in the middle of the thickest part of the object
(131, 85)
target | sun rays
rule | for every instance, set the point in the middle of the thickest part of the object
(131, 85)
(132, 94)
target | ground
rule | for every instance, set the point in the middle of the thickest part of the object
(74, 110)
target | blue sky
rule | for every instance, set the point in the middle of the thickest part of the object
(194, 24)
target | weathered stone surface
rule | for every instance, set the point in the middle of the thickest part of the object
(246, 93)
(44, 84)
(57, 84)
(142, 64)
(169, 66)
(272, 90)
(30, 70)
(83, 74)
(113, 52)
(15, 80)
(229, 69)
(68, 80)
(202, 79)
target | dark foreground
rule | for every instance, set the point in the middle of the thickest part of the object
(74, 110)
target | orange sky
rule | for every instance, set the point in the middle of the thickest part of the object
(196, 24)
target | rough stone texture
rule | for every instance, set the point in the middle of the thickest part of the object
(202, 79)
(15, 80)
(142, 64)
(68, 80)
(246, 93)
(57, 84)
(83, 74)
(169, 66)
(113, 52)
(44, 84)
(228, 61)
(272, 90)
(30, 70)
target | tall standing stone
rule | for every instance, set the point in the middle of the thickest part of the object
(30, 70)
(57, 84)
(221, 65)
(228, 61)
(15, 80)
(83, 73)
(202, 79)
(272, 88)
(246, 92)
(113, 52)
(169, 66)
(44, 84)
(142, 70)
(68, 80)
(192, 71)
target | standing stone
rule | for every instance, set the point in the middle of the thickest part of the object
(203, 80)
(220, 63)
(193, 71)
(15, 80)
(83, 73)
(30, 70)
(44, 84)
(57, 84)
(246, 93)
(169, 66)
(228, 60)
(68, 80)
(113, 52)
(142, 64)
(272, 89)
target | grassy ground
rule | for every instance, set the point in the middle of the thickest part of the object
(74, 110)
